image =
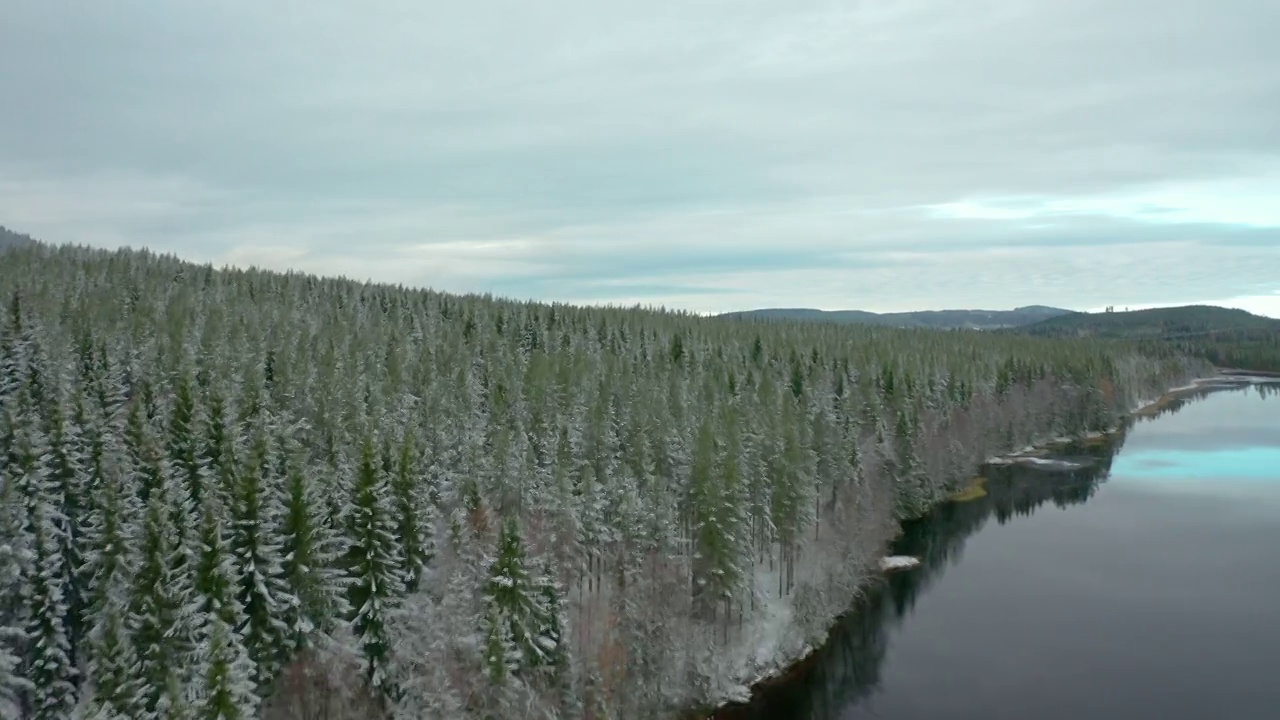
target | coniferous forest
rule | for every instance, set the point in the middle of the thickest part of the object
(238, 494)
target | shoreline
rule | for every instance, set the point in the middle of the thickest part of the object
(787, 669)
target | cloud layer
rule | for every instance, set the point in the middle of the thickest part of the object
(705, 155)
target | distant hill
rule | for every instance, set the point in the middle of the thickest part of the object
(1228, 337)
(938, 319)
(9, 238)
(1166, 323)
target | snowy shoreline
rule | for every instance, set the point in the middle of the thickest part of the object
(786, 664)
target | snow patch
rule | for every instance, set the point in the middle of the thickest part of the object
(1054, 464)
(738, 694)
(898, 562)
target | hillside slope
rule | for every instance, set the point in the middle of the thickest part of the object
(1228, 337)
(472, 508)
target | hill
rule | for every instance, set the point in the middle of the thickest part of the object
(9, 238)
(1226, 336)
(940, 319)
(456, 494)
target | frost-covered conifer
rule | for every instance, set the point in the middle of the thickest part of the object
(312, 553)
(373, 564)
(257, 516)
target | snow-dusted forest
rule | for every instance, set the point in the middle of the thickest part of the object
(233, 494)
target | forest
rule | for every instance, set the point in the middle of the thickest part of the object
(239, 493)
(1227, 337)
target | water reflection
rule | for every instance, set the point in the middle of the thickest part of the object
(846, 672)
(847, 669)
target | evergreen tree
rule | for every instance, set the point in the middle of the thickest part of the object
(107, 558)
(373, 564)
(312, 551)
(413, 514)
(255, 543)
(69, 493)
(15, 558)
(216, 582)
(522, 612)
(225, 688)
(113, 662)
(184, 443)
(159, 610)
(49, 663)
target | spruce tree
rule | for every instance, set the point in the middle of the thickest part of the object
(216, 581)
(50, 667)
(69, 493)
(413, 513)
(15, 558)
(224, 685)
(312, 552)
(108, 558)
(113, 664)
(159, 609)
(522, 612)
(373, 565)
(255, 544)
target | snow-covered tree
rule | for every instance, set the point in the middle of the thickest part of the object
(15, 558)
(312, 553)
(257, 516)
(225, 688)
(160, 610)
(373, 564)
(413, 512)
(522, 615)
(113, 664)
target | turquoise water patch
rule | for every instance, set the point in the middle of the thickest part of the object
(1247, 464)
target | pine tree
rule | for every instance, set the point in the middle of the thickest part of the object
(107, 558)
(69, 493)
(551, 626)
(159, 609)
(29, 483)
(184, 442)
(373, 564)
(522, 613)
(113, 662)
(49, 663)
(215, 581)
(255, 543)
(311, 570)
(173, 697)
(413, 514)
(15, 558)
(225, 687)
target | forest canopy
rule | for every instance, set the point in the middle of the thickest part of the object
(240, 493)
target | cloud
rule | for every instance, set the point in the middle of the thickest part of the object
(709, 155)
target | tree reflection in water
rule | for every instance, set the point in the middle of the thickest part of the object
(846, 670)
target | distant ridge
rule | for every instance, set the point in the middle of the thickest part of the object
(1166, 323)
(1227, 337)
(9, 238)
(937, 319)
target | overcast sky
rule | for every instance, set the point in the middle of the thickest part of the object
(873, 154)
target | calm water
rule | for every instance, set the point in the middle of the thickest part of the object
(1147, 586)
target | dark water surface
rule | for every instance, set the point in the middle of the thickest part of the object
(1147, 586)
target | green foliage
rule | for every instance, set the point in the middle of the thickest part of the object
(245, 464)
(374, 564)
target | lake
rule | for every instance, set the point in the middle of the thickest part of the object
(1146, 585)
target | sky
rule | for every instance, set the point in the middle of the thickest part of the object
(883, 155)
